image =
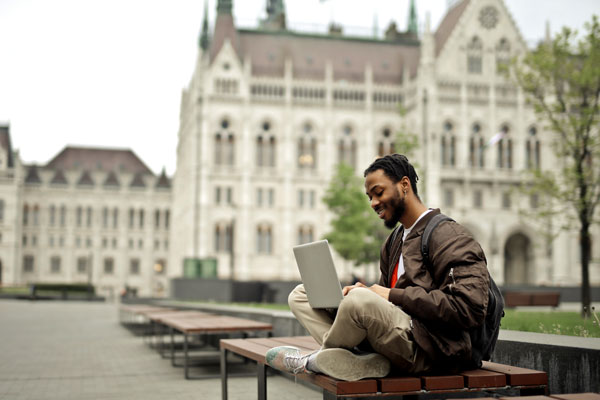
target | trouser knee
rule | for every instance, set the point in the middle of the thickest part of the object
(297, 296)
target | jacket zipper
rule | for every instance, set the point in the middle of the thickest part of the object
(451, 274)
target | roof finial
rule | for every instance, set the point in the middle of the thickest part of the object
(275, 15)
(204, 39)
(412, 19)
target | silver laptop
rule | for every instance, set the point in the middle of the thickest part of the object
(318, 274)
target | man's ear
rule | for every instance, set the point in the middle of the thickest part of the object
(404, 184)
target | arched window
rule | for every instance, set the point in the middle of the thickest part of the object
(347, 147)
(476, 147)
(386, 144)
(25, 214)
(474, 56)
(224, 144)
(448, 145)
(264, 239)
(223, 236)
(502, 56)
(305, 234)
(265, 147)
(36, 215)
(52, 217)
(504, 146)
(307, 148)
(532, 149)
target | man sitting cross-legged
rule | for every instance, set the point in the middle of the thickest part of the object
(418, 317)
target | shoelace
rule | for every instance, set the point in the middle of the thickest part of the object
(295, 363)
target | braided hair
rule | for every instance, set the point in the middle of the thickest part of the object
(395, 167)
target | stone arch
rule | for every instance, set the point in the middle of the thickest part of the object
(519, 259)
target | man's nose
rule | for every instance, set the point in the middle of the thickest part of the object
(374, 203)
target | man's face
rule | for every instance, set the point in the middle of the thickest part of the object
(385, 197)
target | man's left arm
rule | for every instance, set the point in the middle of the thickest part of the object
(461, 299)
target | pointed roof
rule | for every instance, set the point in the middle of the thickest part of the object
(204, 38)
(224, 29)
(163, 181)
(59, 178)
(112, 180)
(5, 143)
(85, 179)
(32, 175)
(138, 181)
(413, 26)
(448, 24)
(94, 158)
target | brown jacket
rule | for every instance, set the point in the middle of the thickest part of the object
(446, 301)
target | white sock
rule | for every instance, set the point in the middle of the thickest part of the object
(311, 365)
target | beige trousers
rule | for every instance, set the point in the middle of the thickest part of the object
(362, 315)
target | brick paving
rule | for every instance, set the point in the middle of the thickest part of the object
(77, 350)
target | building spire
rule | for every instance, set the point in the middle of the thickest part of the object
(224, 6)
(413, 27)
(204, 39)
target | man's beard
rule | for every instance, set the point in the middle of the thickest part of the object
(399, 207)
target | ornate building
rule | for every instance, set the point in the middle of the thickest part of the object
(269, 112)
(88, 216)
(267, 115)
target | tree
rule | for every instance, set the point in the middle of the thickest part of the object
(357, 233)
(561, 79)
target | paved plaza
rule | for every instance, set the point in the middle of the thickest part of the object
(77, 350)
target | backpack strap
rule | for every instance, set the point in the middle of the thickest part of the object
(431, 225)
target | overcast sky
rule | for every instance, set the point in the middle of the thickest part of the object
(109, 73)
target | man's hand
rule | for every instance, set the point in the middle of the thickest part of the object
(347, 289)
(380, 290)
(377, 289)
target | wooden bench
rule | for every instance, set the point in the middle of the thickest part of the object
(190, 326)
(520, 298)
(158, 330)
(131, 316)
(569, 396)
(492, 377)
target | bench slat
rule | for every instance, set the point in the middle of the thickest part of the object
(516, 376)
(400, 384)
(214, 324)
(480, 378)
(253, 351)
(443, 382)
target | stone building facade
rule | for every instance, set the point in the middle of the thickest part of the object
(269, 112)
(89, 215)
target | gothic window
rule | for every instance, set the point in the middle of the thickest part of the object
(141, 219)
(307, 148)
(109, 266)
(52, 215)
(115, 217)
(79, 216)
(476, 147)
(223, 236)
(167, 215)
(134, 266)
(386, 143)
(105, 217)
(224, 145)
(25, 215)
(55, 265)
(474, 56)
(448, 145)
(156, 219)
(28, 264)
(36, 215)
(131, 218)
(264, 239)
(504, 147)
(347, 147)
(82, 265)
(1, 210)
(502, 56)
(88, 220)
(305, 234)
(532, 149)
(63, 215)
(265, 147)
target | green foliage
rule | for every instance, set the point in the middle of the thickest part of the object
(357, 233)
(561, 79)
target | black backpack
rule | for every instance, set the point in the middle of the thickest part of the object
(484, 337)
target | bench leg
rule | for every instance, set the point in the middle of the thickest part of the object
(223, 374)
(261, 374)
(185, 355)
(172, 334)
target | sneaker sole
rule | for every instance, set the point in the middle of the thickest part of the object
(344, 365)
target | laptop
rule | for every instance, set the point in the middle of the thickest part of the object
(318, 274)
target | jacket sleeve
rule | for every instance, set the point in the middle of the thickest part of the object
(460, 291)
